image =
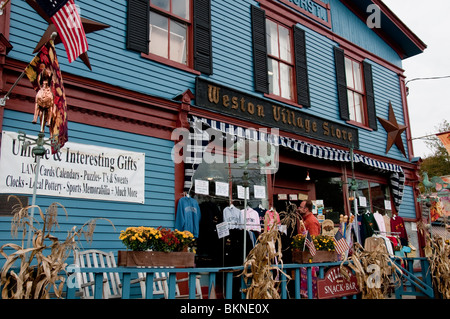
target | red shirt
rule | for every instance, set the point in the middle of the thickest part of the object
(312, 224)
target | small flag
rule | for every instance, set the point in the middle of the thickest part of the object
(65, 17)
(46, 59)
(445, 139)
(309, 242)
(340, 242)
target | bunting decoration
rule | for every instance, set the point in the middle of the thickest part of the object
(45, 66)
(445, 139)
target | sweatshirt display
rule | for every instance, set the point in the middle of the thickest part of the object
(188, 215)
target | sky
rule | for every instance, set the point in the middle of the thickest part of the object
(428, 100)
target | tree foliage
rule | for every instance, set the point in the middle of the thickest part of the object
(438, 163)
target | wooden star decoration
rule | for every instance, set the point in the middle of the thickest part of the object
(394, 131)
(88, 25)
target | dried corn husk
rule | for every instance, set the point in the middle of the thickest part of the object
(363, 263)
(261, 268)
(38, 272)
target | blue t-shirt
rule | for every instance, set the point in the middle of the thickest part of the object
(188, 215)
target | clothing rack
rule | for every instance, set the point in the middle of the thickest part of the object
(385, 232)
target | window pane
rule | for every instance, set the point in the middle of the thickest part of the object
(351, 105)
(349, 73)
(357, 76)
(159, 35)
(163, 4)
(272, 38)
(285, 44)
(273, 77)
(359, 113)
(178, 42)
(286, 76)
(181, 8)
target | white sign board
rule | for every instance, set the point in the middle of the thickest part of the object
(77, 171)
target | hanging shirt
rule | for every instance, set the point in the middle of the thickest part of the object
(398, 226)
(252, 219)
(380, 222)
(270, 218)
(188, 215)
(232, 215)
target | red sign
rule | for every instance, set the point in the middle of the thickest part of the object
(335, 285)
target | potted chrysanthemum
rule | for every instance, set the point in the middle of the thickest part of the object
(148, 246)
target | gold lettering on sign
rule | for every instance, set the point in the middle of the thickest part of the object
(213, 94)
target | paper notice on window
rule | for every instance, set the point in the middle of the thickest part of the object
(362, 201)
(387, 205)
(259, 191)
(223, 230)
(222, 189)
(241, 191)
(201, 187)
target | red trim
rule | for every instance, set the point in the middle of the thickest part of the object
(310, 15)
(274, 9)
(99, 104)
(381, 33)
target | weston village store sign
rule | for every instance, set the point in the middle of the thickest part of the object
(237, 104)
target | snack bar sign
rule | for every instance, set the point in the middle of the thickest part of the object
(77, 170)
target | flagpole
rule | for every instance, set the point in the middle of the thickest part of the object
(304, 243)
(6, 97)
(3, 99)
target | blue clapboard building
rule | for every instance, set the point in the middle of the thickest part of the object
(326, 75)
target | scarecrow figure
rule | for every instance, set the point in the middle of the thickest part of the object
(45, 107)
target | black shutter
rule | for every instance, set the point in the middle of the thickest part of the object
(138, 24)
(339, 61)
(260, 49)
(202, 36)
(301, 69)
(370, 96)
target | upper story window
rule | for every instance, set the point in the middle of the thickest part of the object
(280, 60)
(355, 91)
(172, 32)
(170, 22)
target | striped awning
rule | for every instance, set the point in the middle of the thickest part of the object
(199, 139)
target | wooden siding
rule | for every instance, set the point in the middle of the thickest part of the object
(347, 25)
(111, 62)
(232, 58)
(407, 208)
(159, 207)
(386, 86)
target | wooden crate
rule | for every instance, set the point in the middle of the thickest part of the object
(304, 257)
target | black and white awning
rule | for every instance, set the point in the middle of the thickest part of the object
(199, 139)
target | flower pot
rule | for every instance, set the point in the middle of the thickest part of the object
(156, 259)
(304, 257)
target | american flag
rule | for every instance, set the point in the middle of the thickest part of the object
(309, 242)
(341, 244)
(65, 17)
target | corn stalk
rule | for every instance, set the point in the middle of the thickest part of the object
(261, 269)
(374, 270)
(38, 272)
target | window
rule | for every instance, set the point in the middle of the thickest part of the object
(279, 58)
(355, 91)
(280, 61)
(372, 196)
(169, 25)
(173, 32)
